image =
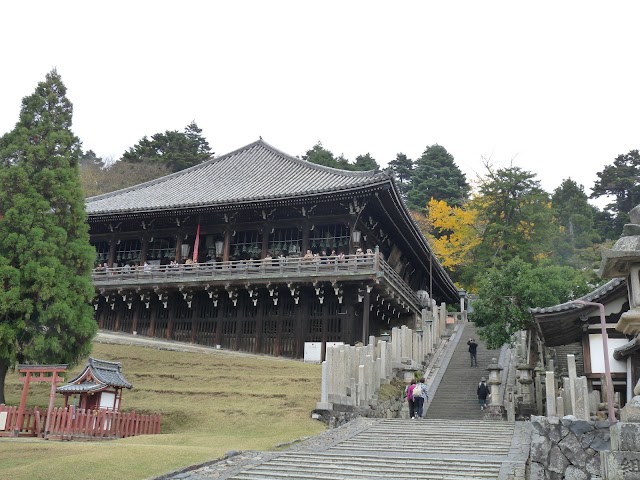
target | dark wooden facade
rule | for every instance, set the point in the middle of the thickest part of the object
(216, 255)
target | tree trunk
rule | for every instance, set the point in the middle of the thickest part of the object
(4, 366)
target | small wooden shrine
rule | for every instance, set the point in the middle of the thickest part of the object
(99, 386)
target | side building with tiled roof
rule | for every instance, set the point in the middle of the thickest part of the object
(260, 251)
(571, 328)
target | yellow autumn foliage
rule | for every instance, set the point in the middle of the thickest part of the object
(452, 232)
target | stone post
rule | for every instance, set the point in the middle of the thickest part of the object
(538, 386)
(566, 396)
(426, 325)
(395, 347)
(582, 399)
(571, 365)
(324, 403)
(362, 388)
(550, 384)
(405, 350)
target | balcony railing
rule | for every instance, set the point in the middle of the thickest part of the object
(268, 269)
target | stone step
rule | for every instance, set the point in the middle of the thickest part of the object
(456, 397)
(322, 466)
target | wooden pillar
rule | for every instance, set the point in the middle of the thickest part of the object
(144, 250)
(301, 323)
(350, 328)
(227, 246)
(195, 316)
(173, 307)
(325, 326)
(112, 251)
(137, 305)
(238, 331)
(258, 335)
(52, 400)
(101, 313)
(278, 346)
(265, 242)
(305, 238)
(118, 312)
(366, 307)
(219, 323)
(152, 319)
(179, 247)
(23, 404)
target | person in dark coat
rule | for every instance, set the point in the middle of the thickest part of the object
(473, 349)
(483, 393)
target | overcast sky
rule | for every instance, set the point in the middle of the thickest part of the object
(553, 86)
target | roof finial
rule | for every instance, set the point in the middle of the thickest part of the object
(260, 137)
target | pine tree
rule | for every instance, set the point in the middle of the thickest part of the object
(45, 255)
(176, 150)
(437, 176)
(402, 169)
(365, 163)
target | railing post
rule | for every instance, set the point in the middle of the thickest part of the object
(376, 260)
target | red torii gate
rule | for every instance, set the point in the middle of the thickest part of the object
(45, 373)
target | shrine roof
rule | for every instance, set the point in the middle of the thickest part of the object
(256, 172)
(593, 296)
(97, 375)
(564, 323)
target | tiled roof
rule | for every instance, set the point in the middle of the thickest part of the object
(103, 374)
(589, 297)
(255, 172)
(563, 324)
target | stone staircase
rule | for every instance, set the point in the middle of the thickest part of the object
(400, 449)
(456, 394)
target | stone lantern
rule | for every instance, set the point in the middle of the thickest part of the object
(623, 260)
(494, 409)
(525, 379)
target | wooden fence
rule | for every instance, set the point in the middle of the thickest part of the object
(69, 423)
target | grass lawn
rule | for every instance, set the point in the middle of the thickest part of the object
(210, 404)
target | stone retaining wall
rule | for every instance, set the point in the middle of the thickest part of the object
(567, 448)
(387, 409)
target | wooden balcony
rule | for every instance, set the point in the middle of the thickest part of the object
(366, 268)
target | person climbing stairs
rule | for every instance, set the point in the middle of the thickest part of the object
(456, 394)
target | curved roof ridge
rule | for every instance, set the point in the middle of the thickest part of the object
(171, 175)
(589, 297)
(255, 172)
(307, 163)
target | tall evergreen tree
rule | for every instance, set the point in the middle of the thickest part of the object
(516, 215)
(320, 156)
(402, 170)
(365, 163)
(45, 255)
(177, 150)
(575, 217)
(622, 181)
(437, 176)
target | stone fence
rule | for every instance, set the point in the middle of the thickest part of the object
(352, 375)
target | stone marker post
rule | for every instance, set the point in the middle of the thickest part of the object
(550, 385)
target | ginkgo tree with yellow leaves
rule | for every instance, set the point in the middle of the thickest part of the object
(452, 232)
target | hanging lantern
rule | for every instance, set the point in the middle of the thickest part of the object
(355, 237)
(219, 247)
